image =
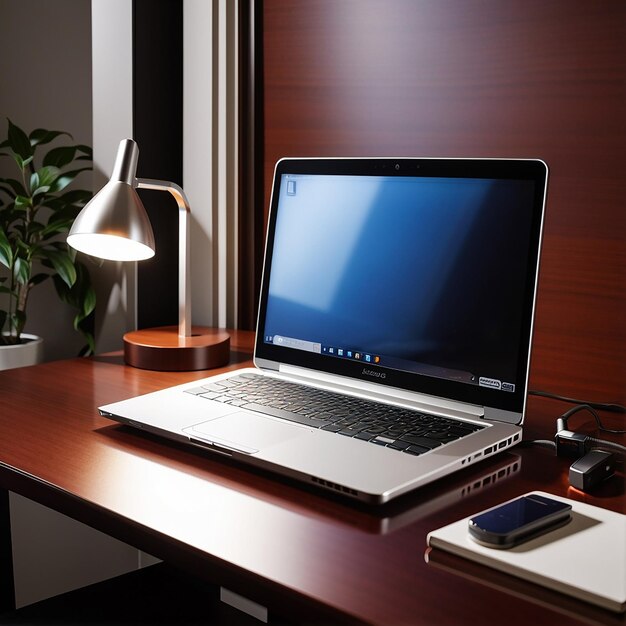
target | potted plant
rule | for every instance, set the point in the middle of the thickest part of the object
(36, 211)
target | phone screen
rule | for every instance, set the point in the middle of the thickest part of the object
(518, 519)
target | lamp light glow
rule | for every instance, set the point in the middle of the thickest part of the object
(110, 247)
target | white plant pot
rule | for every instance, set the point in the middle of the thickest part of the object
(22, 354)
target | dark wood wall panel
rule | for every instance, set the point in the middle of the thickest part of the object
(521, 78)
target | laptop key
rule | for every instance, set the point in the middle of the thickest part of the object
(421, 441)
(382, 441)
(292, 417)
(248, 376)
(416, 450)
(322, 416)
(462, 431)
(237, 402)
(398, 445)
(354, 428)
(376, 430)
(214, 387)
(437, 434)
(333, 428)
(392, 433)
(221, 398)
(196, 391)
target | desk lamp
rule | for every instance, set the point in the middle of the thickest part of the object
(114, 225)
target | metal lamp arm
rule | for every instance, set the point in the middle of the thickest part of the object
(184, 285)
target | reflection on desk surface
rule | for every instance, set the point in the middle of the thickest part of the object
(327, 506)
(504, 467)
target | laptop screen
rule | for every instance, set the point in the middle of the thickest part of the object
(414, 273)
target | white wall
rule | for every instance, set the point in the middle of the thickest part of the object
(45, 82)
(111, 55)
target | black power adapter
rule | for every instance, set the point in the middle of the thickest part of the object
(591, 469)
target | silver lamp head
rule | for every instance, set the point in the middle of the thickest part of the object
(114, 224)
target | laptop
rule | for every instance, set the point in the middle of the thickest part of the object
(394, 327)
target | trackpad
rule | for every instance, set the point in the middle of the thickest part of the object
(245, 432)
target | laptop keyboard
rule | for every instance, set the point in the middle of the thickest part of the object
(398, 428)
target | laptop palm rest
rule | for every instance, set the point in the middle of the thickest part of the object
(245, 432)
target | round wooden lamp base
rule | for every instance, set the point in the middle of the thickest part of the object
(164, 349)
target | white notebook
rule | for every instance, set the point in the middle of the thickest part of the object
(585, 559)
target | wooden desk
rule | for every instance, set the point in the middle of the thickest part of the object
(303, 554)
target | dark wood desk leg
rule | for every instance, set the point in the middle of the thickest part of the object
(7, 586)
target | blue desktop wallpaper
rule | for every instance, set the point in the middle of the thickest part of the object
(420, 270)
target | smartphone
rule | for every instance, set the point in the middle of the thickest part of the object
(517, 521)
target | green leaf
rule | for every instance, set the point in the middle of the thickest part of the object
(42, 179)
(16, 186)
(68, 212)
(19, 141)
(89, 302)
(22, 202)
(56, 227)
(40, 136)
(22, 247)
(65, 179)
(38, 278)
(87, 153)
(22, 163)
(34, 182)
(34, 227)
(73, 200)
(60, 156)
(82, 297)
(47, 175)
(21, 270)
(6, 253)
(62, 264)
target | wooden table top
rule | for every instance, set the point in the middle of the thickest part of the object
(293, 549)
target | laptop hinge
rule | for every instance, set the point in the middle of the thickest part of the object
(384, 394)
(499, 415)
(266, 364)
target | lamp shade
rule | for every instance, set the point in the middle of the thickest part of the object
(114, 225)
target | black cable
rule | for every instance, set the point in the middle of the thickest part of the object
(601, 406)
(581, 406)
(588, 407)
(608, 444)
(544, 443)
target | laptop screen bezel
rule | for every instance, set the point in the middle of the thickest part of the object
(513, 169)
